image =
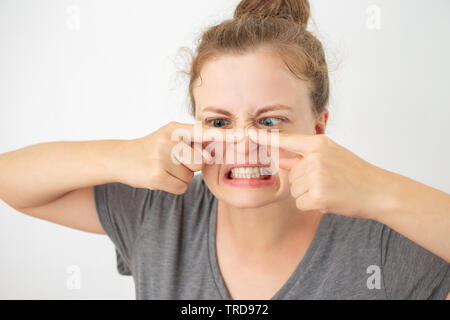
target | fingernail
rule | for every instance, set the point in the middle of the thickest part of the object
(207, 156)
(238, 135)
(252, 134)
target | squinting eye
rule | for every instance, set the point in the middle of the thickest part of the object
(218, 123)
(270, 121)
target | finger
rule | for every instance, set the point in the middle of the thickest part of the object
(221, 135)
(193, 159)
(288, 163)
(300, 186)
(198, 133)
(306, 203)
(299, 169)
(180, 171)
(200, 157)
(301, 144)
(172, 184)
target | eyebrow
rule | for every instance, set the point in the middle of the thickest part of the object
(258, 112)
(217, 110)
(273, 108)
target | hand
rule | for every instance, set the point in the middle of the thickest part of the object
(327, 177)
(150, 162)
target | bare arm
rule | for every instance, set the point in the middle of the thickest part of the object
(54, 181)
(41, 173)
(419, 212)
(328, 177)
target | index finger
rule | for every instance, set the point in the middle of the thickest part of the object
(200, 134)
(297, 143)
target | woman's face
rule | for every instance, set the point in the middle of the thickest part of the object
(252, 91)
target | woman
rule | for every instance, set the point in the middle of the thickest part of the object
(326, 225)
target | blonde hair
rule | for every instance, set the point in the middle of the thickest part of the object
(278, 24)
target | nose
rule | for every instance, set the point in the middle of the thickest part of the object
(243, 143)
(244, 149)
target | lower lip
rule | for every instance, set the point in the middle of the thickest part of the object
(248, 183)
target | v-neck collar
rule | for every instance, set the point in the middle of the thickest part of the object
(293, 278)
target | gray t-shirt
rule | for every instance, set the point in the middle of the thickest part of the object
(167, 243)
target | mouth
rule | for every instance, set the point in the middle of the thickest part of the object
(248, 176)
(248, 173)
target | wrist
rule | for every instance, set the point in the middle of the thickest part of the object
(112, 159)
(386, 197)
(401, 197)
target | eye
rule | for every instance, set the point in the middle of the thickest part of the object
(218, 123)
(270, 121)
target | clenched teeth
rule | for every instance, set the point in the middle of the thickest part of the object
(249, 172)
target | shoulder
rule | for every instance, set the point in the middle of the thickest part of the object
(353, 232)
(409, 271)
(372, 234)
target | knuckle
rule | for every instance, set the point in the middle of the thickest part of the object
(318, 196)
(190, 175)
(180, 188)
(157, 178)
(169, 127)
(296, 191)
(158, 174)
(300, 204)
(172, 124)
(293, 190)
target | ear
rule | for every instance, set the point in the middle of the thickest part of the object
(321, 122)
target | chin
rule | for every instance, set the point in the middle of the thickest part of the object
(248, 201)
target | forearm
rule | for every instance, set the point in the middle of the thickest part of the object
(420, 213)
(38, 174)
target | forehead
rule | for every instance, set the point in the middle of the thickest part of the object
(247, 82)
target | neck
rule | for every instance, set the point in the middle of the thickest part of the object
(265, 228)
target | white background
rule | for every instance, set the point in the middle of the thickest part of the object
(84, 70)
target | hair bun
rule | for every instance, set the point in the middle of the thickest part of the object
(297, 11)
